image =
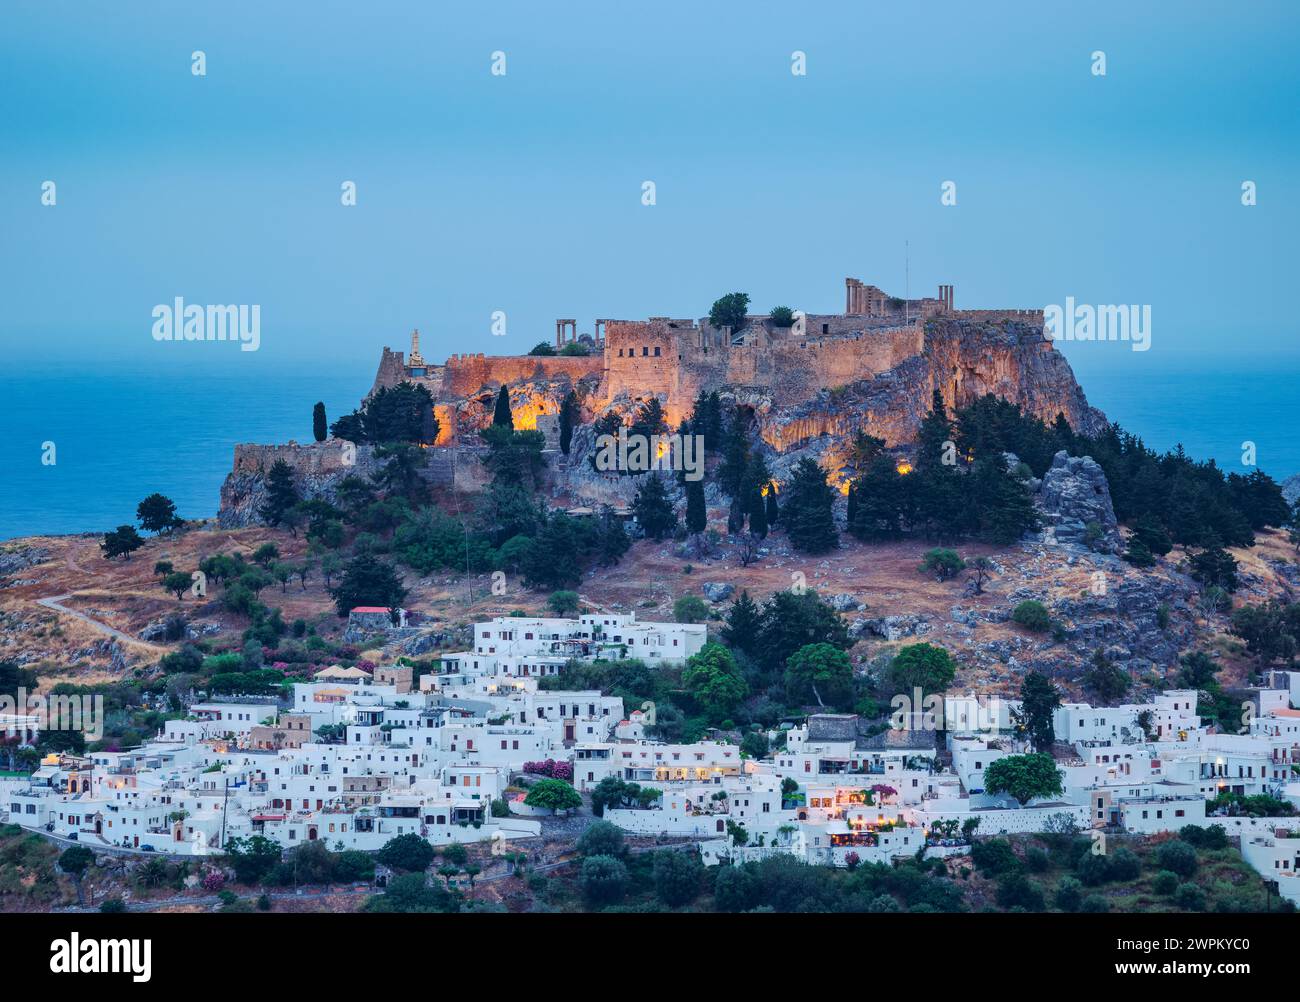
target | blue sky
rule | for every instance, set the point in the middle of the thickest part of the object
(522, 193)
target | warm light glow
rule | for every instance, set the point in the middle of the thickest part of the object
(844, 487)
(903, 467)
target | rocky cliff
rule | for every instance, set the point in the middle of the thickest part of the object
(963, 358)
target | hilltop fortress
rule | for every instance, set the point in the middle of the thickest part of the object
(799, 379)
(809, 386)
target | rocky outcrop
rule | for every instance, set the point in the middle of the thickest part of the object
(1291, 488)
(716, 591)
(20, 558)
(319, 467)
(964, 360)
(885, 393)
(1073, 495)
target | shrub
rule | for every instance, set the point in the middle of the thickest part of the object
(1015, 890)
(602, 838)
(112, 906)
(995, 856)
(1093, 870)
(603, 880)
(1165, 882)
(943, 564)
(677, 877)
(1125, 865)
(1190, 897)
(551, 769)
(690, 609)
(1178, 857)
(1094, 904)
(1032, 615)
(1069, 895)
(354, 865)
(1036, 859)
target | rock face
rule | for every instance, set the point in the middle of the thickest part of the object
(1073, 494)
(13, 561)
(964, 360)
(319, 467)
(1291, 488)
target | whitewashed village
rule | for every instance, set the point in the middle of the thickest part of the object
(480, 753)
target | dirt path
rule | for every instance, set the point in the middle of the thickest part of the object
(55, 602)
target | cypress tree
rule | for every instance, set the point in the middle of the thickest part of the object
(319, 426)
(773, 510)
(501, 415)
(735, 517)
(757, 513)
(567, 409)
(735, 458)
(696, 516)
(851, 515)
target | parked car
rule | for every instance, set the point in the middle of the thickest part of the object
(72, 836)
(147, 848)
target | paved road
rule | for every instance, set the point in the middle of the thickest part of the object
(55, 602)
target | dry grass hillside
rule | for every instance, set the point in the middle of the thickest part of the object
(124, 596)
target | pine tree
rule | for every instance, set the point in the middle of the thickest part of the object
(696, 516)
(807, 517)
(281, 494)
(706, 419)
(943, 509)
(567, 413)
(851, 513)
(743, 621)
(1005, 510)
(654, 512)
(611, 538)
(936, 430)
(649, 419)
(878, 502)
(501, 415)
(319, 426)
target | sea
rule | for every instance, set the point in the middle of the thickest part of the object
(121, 430)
